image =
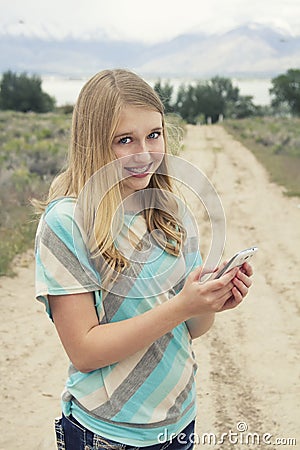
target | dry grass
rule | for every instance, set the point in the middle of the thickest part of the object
(276, 144)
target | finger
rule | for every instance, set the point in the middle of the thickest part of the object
(233, 301)
(244, 278)
(222, 295)
(206, 271)
(238, 297)
(195, 275)
(247, 269)
(225, 279)
(241, 286)
(218, 269)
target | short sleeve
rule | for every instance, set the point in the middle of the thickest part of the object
(63, 265)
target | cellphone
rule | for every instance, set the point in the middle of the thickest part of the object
(237, 260)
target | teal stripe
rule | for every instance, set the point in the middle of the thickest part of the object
(78, 382)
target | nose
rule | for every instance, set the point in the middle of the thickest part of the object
(142, 154)
(143, 158)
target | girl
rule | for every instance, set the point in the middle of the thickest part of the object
(117, 267)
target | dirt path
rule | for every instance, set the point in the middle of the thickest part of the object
(248, 363)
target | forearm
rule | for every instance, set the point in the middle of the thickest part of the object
(109, 343)
(199, 325)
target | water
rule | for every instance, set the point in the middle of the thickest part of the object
(66, 90)
(258, 88)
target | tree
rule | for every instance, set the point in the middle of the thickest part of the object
(210, 101)
(186, 103)
(24, 93)
(223, 86)
(205, 99)
(286, 91)
(165, 93)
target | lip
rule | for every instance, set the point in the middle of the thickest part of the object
(139, 171)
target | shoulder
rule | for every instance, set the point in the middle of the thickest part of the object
(60, 209)
(61, 218)
(62, 214)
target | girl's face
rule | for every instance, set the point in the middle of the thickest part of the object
(140, 143)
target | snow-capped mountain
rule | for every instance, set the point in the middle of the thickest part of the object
(250, 50)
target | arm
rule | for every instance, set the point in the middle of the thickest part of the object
(91, 346)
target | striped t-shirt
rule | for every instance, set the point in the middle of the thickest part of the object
(153, 391)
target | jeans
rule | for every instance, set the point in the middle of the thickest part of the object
(71, 435)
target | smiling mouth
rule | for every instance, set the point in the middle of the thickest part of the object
(140, 170)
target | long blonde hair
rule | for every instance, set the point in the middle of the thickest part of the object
(94, 123)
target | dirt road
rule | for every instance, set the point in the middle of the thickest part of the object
(248, 376)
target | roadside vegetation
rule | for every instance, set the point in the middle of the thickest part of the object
(32, 150)
(34, 136)
(275, 141)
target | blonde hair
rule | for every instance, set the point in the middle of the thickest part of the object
(94, 123)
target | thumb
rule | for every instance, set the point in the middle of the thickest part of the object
(195, 275)
(206, 272)
(200, 272)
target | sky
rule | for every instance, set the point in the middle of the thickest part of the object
(137, 20)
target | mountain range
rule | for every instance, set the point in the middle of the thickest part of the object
(250, 50)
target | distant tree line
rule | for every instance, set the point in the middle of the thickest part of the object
(197, 102)
(217, 97)
(24, 93)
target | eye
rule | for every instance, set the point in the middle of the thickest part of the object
(154, 135)
(125, 140)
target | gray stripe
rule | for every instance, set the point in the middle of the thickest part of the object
(113, 301)
(58, 248)
(135, 379)
(125, 281)
(175, 410)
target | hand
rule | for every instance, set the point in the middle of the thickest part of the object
(242, 283)
(208, 297)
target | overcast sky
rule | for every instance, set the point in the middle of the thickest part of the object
(147, 21)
